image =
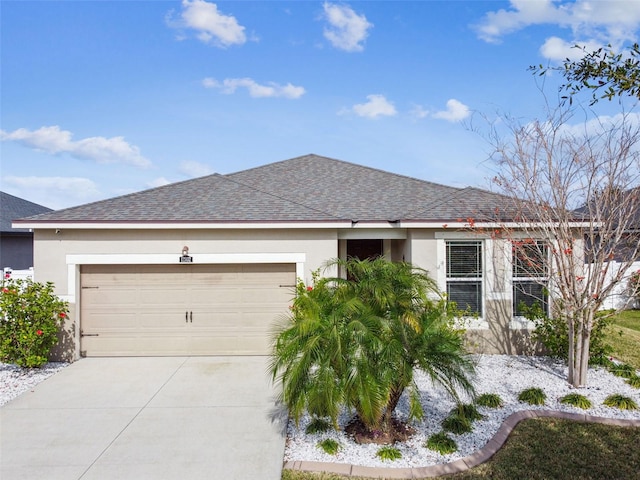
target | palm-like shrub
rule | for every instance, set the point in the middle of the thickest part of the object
(356, 342)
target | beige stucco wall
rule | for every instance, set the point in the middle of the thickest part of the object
(51, 248)
(494, 333)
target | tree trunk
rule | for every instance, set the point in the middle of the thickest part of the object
(578, 352)
(571, 353)
(396, 393)
(586, 344)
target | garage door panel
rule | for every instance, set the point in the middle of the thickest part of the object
(221, 295)
(166, 321)
(265, 296)
(140, 309)
(124, 344)
(172, 297)
(110, 296)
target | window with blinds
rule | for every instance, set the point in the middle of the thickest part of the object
(464, 275)
(530, 275)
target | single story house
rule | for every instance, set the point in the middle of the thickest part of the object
(16, 244)
(204, 266)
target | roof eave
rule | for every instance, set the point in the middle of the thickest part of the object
(179, 225)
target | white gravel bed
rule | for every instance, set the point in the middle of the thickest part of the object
(502, 374)
(15, 380)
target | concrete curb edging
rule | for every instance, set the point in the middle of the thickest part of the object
(481, 456)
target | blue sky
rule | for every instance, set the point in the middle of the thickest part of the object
(103, 98)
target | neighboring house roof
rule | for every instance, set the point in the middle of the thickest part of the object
(12, 208)
(625, 207)
(310, 188)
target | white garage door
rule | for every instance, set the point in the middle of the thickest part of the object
(182, 309)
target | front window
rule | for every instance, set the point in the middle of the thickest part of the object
(464, 275)
(530, 275)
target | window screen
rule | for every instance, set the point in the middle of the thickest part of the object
(464, 275)
(529, 293)
(530, 275)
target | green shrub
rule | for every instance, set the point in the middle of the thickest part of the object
(457, 424)
(491, 400)
(468, 411)
(389, 453)
(623, 370)
(553, 333)
(576, 400)
(329, 445)
(634, 381)
(620, 401)
(441, 443)
(317, 425)
(30, 320)
(533, 396)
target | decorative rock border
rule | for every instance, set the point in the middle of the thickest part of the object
(481, 456)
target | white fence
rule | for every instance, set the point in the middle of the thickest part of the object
(18, 274)
(620, 298)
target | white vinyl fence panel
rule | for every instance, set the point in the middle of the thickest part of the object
(620, 298)
(18, 274)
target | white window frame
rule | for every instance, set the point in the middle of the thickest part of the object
(474, 321)
(519, 321)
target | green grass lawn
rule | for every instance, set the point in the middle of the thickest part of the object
(624, 337)
(548, 449)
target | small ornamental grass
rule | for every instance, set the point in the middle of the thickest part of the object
(490, 400)
(389, 453)
(317, 425)
(441, 443)
(634, 381)
(623, 370)
(620, 401)
(329, 445)
(455, 423)
(533, 396)
(468, 411)
(576, 400)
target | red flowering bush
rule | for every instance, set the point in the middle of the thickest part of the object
(30, 316)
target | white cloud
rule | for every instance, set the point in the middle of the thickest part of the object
(195, 169)
(558, 50)
(99, 149)
(418, 111)
(212, 26)
(592, 23)
(272, 89)
(53, 192)
(377, 106)
(455, 111)
(601, 125)
(158, 182)
(346, 30)
(522, 14)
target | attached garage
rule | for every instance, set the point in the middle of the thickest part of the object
(193, 309)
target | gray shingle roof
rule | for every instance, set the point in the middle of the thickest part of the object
(310, 188)
(12, 208)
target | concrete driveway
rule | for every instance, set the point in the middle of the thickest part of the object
(184, 418)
